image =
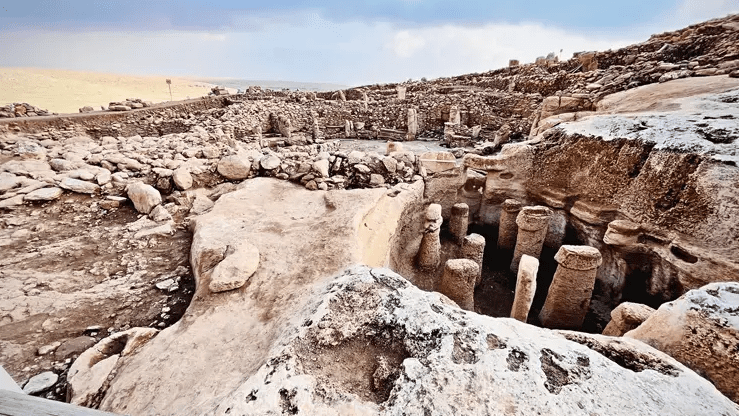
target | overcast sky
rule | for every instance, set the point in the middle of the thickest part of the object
(334, 41)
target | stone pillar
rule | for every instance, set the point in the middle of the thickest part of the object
(348, 128)
(569, 295)
(412, 123)
(401, 92)
(459, 221)
(513, 62)
(448, 132)
(454, 116)
(458, 282)
(342, 96)
(533, 223)
(316, 130)
(622, 233)
(365, 98)
(257, 131)
(525, 288)
(508, 229)
(429, 255)
(473, 248)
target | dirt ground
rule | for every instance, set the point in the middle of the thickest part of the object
(63, 91)
(71, 273)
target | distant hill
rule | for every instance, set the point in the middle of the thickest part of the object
(274, 85)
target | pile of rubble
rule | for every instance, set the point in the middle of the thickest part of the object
(22, 110)
(129, 104)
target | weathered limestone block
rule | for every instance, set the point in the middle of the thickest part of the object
(525, 288)
(348, 128)
(626, 317)
(622, 233)
(458, 282)
(401, 92)
(455, 116)
(429, 255)
(234, 167)
(144, 197)
(394, 147)
(412, 123)
(701, 330)
(284, 126)
(459, 221)
(473, 248)
(508, 229)
(533, 223)
(89, 372)
(182, 178)
(435, 162)
(239, 263)
(569, 295)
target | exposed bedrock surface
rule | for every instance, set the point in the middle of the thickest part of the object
(371, 343)
(303, 237)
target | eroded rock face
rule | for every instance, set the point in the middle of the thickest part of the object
(701, 330)
(370, 343)
(303, 237)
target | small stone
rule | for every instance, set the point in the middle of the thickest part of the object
(321, 166)
(160, 214)
(362, 168)
(40, 382)
(376, 179)
(165, 284)
(311, 185)
(200, 205)
(47, 349)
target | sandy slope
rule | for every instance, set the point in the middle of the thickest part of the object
(66, 91)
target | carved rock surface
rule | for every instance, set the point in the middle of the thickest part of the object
(701, 330)
(371, 343)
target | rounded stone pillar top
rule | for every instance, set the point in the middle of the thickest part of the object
(460, 209)
(433, 212)
(578, 257)
(533, 218)
(474, 240)
(624, 227)
(463, 266)
(511, 205)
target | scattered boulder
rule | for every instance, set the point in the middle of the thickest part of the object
(44, 194)
(626, 317)
(76, 185)
(144, 197)
(41, 382)
(182, 178)
(235, 167)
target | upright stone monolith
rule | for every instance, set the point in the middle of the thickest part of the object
(458, 282)
(429, 253)
(459, 221)
(533, 223)
(569, 295)
(508, 229)
(473, 248)
(412, 123)
(525, 288)
(455, 116)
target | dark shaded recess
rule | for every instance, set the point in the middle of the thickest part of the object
(625, 357)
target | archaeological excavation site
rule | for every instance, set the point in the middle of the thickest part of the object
(548, 238)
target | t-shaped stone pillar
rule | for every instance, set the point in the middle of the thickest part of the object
(459, 221)
(454, 115)
(412, 123)
(569, 295)
(508, 229)
(533, 223)
(458, 282)
(525, 288)
(429, 256)
(473, 248)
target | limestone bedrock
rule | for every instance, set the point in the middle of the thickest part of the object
(303, 238)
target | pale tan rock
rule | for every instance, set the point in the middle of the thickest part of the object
(144, 197)
(701, 330)
(459, 221)
(626, 317)
(508, 229)
(473, 248)
(429, 253)
(458, 282)
(525, 288)
(182, 178)
(44, 194)
(238, 265)
(533, 223)
(234, 167)
(435, 162)
(622, 233)
(572, 286)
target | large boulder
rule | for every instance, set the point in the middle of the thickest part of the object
(371, 343)
(234, 167)
(701, 330)
(144, 197)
